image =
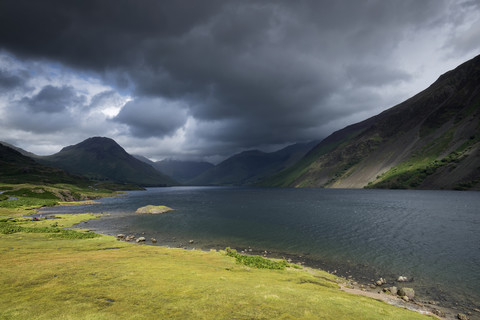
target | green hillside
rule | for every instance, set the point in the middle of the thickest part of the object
(16, 168)
(430, 141)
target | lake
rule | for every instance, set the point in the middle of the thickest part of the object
(432, 237)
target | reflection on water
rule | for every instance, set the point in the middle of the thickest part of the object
(430, 236)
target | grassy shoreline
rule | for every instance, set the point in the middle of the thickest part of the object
(52, 272)
(47, 277)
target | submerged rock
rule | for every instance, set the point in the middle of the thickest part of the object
(153, 240)
(153, 209)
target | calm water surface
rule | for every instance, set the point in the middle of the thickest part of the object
(431, 237)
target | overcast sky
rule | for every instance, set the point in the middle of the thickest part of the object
(206, 79)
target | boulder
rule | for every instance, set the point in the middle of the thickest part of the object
(153, 240)
(141, 239)
(391, 290)
(462, 316)
(153, 209)
(402, 279)
(406, 292)
(130, 238)
(191, 241)
(120, 236)
(439, 313)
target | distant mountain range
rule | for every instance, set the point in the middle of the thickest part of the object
(250, 167)
(181, 171)
(102, 159)
(430, 141)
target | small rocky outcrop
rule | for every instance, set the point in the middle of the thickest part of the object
(153, 210)
(462, 316)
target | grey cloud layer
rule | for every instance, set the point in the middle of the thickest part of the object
(53, 100)
(152, 117)
(250, 72)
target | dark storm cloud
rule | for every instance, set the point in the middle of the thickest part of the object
(249, 72)
(53, 100)
(52, 109)
(95, 34)
(149, 117)
(9, 81)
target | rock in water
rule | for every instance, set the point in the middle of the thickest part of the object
(406, 292)
(153, 209)
(141, 239)
(402, 279)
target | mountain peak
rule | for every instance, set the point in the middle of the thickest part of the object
(97, 144)
(101, 158)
